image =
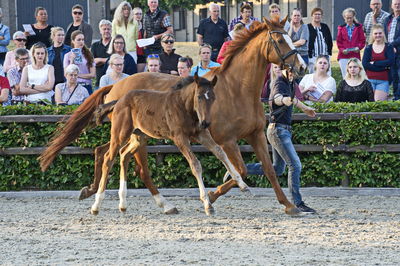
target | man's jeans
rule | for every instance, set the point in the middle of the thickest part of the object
(283, 153)
(395, 69)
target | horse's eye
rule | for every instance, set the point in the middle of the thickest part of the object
(280, 41)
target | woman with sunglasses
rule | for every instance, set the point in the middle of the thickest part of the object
(141, 58)
(124, 24)
(116, 74)
(153, 63)
(184, 65)
(117, 46)
(41, 29)
(169, 60)
(57, 52)
(19, 40)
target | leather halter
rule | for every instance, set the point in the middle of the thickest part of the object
(286, 56)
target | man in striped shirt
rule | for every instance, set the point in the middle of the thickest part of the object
(377, 15)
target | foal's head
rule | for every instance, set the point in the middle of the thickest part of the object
(203, 99)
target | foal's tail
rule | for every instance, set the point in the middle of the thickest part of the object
(102, 111)
(78, 121)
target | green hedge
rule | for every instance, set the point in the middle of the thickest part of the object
(319, 169)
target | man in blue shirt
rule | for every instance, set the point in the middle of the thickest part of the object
(213, 30)
(205, 61)
(4, 39)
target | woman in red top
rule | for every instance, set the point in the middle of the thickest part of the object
(350, 39)
(378, 57)
(221, 55)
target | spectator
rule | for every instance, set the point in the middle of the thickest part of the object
(320, 41)
(245, 17)
(81, 56)
(4, 39)
(237, 29)
(99, 49)
(378, 58)
(19, 40)
(156, 22)
(355, 87)
(70, 92)
(37, 80)
(350, 39)
(41, 28)
(275, 10)
(298, 32)
(153, 63)
(141, 59)
(5, 95)
(184, 65)
(79, 24)
(168, 58)
(205, 61)
(57, 52)
(124, 24)
(115, 75)
(392, 32)
(118, 47)
(15, 73)
(213, 30)
(319, 86)
(376, 16)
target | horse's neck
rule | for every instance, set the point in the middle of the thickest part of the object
(186, 97)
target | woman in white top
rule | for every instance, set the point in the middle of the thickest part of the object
(70, 92)
(115, 75)
(37, 79)
(319, 86)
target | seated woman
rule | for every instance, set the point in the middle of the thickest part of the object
(19, 41)
(355, 87)
(184, 65)
(5, 91)
(70, 92)
(117, 46)
(236, 29)
(37, 79)
(115, 75)
(153, 63)
(318, 86)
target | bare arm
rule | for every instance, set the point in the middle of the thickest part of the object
(4, 95)
(199, 39)
(90, 75)
(99, 61)
(280, 100)
(50, 82)
(57, 96)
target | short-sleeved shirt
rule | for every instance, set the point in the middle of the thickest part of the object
(83, 69)
(283, 113)
(80, 94)
(213, 33)
(201, 70)
(14, 77)
(99, 51)
(328, 84)
(304, 34)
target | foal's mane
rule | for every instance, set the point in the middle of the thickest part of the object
(183, 83)
(241, 40)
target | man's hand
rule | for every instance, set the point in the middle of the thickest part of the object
(309, 111)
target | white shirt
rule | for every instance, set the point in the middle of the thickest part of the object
(328, 84)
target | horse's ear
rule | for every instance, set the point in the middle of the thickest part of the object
(214, 81)
(283, 22)
(266, 21)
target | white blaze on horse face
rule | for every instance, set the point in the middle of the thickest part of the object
(291, 45)
(206, 95)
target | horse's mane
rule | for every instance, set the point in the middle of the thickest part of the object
(183, 83)
(241, 40)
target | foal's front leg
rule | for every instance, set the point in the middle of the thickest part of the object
(183, 145)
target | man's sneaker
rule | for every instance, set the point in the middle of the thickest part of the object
(305, 209)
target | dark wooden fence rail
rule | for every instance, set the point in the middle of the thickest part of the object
(199, 148)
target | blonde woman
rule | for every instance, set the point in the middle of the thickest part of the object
(355, 87)
(37, 80)
(57, 52)
(124, 24)
(378, 58)
(115, 74)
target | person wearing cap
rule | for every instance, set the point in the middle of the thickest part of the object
(168, 58)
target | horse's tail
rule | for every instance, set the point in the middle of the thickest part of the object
(78, 121)
(102, 111)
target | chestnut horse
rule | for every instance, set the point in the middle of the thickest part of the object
(180, 114)
(236, 114)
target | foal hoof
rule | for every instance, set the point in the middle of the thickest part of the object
(86, 193)
(172, 211)
(246, 191)
(212, 197)
(94, 212)
(123, 210)
(292, 211)
(210, 211)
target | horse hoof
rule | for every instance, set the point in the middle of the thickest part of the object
(172, 211)
(94, 212)
(86, 193)
(246, 191)
(212, 197)
(292, 211)
(210, 211)
(123, 210)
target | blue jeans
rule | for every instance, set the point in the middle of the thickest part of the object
(283, 153)
(395, 69)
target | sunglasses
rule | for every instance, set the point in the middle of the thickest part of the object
(153, 56)
(77, 13)
(138, 14)
(20, 40)
(169, 41)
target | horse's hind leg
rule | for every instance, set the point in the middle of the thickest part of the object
(99, 153)
(142, 163)
(184, 146)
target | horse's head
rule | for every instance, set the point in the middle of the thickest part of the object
(280, 49)
(203, 99)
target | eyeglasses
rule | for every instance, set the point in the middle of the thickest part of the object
(77, 13)
(169, 41)
(24, 58)
(153, 56)
(118, 65)
(20, 40)
(138, 14)
(119, 43)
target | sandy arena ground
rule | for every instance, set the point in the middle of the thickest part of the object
(355, 230)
